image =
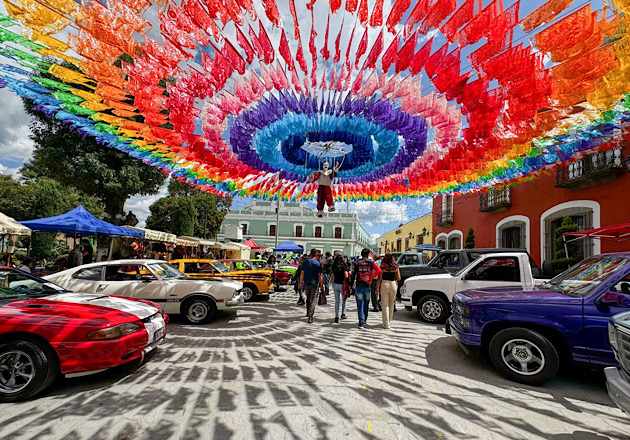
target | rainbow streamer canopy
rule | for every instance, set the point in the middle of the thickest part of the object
(411, 98)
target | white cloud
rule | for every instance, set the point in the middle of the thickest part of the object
(375, 236)
(139, 205)
(9, 171)
(372, 213)
(15, 145)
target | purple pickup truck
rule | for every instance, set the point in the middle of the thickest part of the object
(529, 333)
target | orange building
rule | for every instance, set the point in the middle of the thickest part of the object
(591, 190)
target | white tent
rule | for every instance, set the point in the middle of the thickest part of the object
(151, 235)
(8, 226)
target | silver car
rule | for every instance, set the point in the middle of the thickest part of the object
(154, 280)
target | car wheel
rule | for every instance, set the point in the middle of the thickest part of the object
(200, 310)
(432, 309)
(524, 356)
(248, 293)
(25, 370)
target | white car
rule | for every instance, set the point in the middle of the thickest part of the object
(154, 280)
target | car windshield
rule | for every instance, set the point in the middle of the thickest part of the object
(166, 272)
(222, 268)
(14, 284)
(259, 264)
(585, 276)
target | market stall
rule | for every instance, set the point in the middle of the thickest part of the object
(155, 244)
(10, 230)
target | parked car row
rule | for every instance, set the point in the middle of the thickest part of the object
(530, 327)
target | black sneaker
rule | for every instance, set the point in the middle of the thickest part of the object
(343, 316)
(361, 326)
(336, 320)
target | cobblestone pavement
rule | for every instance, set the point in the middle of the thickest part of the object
(264, 373)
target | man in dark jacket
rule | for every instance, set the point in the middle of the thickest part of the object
(311, 279)
(364, 272)
(296, 279)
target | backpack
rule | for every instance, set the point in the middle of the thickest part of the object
(364, 267)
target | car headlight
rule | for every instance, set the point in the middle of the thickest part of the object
(611, 336)
(117, 331)
(403, 290)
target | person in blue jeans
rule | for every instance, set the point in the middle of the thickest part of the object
(365, 270)
(340, 272)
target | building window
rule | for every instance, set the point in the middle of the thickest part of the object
(399, 245)
(554, 249)
(513, 235)
(419, 239)
(338, 233)
(455, 242)
(244, 225)
(442, 243)
(272, 230)
(298, 231)
(407, 240)
(318, 231)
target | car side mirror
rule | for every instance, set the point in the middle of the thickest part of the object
(613, 299)
(471, 276)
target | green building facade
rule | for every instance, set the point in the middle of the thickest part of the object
(295, 222)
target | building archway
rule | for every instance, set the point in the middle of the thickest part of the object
(514, 232)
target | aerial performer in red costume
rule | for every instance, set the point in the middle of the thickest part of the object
(325, 179)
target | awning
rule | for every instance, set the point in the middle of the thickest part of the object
(151, 235)
(253, 245)
(619, 232)
(186, 240)
(8, 226)
(288, 246)
(427, 247)
(79, 221)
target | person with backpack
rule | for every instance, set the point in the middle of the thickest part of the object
(339, 279)
(311, 279)
(328, 264)
(364, 272)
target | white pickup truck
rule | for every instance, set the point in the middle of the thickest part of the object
(432, 294)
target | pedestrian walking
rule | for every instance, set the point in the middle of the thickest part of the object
(364, 272)
(387, 287)
(340, 274)
(311, 279)
(298, 283)
(328, 263)
(376, 298)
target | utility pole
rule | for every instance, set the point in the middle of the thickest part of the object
(205, 222)
(277, 221)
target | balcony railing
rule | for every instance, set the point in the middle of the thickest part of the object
(495, 200)
(444, 218)
(596, 168)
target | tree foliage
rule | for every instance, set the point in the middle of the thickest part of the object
(562, 261)
(72, 160)
(470, 239)
(184, 202)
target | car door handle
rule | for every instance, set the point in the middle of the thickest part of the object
(101, 287)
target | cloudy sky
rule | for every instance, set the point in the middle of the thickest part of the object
(16, 147)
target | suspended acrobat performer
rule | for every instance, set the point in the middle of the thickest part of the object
(324, 191)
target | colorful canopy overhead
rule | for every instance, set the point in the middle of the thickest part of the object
(247, 98)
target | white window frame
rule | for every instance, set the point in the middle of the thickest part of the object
(514, 218)
(241, 223)
(323, 230)
(588, 204)
(333, 231)
(439, 237)
(269, 224)
(461, 238)
(295, 225)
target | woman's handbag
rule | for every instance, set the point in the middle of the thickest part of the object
(346, 288)
(322, 299)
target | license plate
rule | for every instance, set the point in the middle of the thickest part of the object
(158, 335)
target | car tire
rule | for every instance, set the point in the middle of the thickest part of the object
(199, 310)
(249, 293)
(524, 356)
(432, 309)
(32, 360)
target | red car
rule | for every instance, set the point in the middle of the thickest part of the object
(46, 331)
(284, 278)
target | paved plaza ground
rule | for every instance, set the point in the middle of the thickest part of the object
(262, 372)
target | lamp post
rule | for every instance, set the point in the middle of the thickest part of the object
(277, 220)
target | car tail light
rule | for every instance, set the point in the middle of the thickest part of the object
(117, 331)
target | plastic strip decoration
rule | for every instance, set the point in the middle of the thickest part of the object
(411, 99)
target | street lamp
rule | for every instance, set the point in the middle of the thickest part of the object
(424, 231)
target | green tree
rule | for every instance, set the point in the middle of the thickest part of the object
(562, 261)
(48, 203)
(470, 239)
(184, 217)
(72, 160)
(210, 210)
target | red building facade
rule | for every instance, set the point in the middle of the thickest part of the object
(592, 191)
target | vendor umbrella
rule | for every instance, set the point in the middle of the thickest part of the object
(288, 246)
(252, 244)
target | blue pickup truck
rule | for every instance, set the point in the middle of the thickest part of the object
(528, 333)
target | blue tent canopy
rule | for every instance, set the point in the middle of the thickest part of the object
(427, 247)
(288, 246)
(79, 221)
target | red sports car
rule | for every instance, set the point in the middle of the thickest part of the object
(46, 330)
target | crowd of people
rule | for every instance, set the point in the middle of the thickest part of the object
(366, 279)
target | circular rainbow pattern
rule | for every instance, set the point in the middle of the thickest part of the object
(241, 97)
